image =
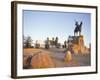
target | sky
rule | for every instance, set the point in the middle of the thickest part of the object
(42, 24)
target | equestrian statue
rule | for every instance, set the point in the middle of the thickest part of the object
(78, 28)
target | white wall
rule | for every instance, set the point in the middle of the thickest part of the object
(5, 41)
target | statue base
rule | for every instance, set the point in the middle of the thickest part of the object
(77, 45)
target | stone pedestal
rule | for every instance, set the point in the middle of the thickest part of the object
(77, 43)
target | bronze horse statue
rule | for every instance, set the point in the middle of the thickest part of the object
(78, 28)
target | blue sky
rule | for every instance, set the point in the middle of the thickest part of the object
(42, 24)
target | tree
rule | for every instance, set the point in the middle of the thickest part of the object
(28, 42)
(53, 41)
(37, 45)
(56, 41)
(65, 44)
(47, 43)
